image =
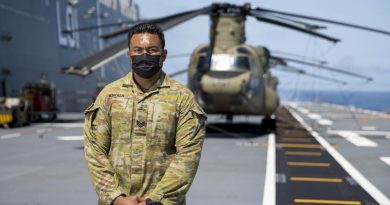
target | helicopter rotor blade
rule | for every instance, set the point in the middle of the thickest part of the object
(309, 26)
(303, 72)
(262, 10)
(87, 28)
(179, 55)
(179, 72)
(87, 65)
(273, 62)
(322, 67)
(262, 18)
(165, 22)
(318, 61)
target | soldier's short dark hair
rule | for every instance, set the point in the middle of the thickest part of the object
(146, 28)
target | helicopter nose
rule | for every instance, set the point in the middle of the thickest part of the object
(223, 82)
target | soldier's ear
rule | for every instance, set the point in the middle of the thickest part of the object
(128, 54)
(164, 55)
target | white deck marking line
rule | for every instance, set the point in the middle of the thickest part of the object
(357, 139)
(247, 144)
(70, 138)
(348, 167)
(69, 125)
(63, 125)
(314, 116)
(9, 136)
(319, 119)
(361, 132)
(369, 128)
(325, 122)
(269, 197)
(385, 160)
(40, 131)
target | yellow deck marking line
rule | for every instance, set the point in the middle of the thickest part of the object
(308, 164)
(296, 139)
(309, 179)
(352, 171)
(308, 146)
(320, 201)
(301, 137)
(302, 153)
(294, 136)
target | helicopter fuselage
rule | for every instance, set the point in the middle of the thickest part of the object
(228, 76)
(234, 81)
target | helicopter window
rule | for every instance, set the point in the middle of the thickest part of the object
(242, 62)
(204, 50)
(202, 63)
(243, 50)
(228, 62)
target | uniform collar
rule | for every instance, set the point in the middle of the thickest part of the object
(163, 82)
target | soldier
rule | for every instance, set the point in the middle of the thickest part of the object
(144, 133)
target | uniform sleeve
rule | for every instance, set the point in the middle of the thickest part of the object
(96, 146)
(179, 175)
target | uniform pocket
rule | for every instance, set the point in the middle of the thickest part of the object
(121, 119)
(162, 122)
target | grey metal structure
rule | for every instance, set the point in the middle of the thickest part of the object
(33, 43)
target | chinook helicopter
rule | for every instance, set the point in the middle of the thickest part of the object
(226, 75)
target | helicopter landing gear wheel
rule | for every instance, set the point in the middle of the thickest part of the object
(269, 123)
(229, 118)
(52, 117)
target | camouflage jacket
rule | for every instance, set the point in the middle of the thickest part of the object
(146, 144)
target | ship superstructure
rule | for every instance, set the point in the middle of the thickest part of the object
(33, 44)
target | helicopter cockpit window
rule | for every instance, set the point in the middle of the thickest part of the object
(242, 62)
(204, 50)
(243, 50)
(203, 64)
(223, 62)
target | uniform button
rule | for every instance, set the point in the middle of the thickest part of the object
(140, 123)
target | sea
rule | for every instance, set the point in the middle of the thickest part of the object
(370, 100)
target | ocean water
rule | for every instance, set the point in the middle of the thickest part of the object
(371, 100)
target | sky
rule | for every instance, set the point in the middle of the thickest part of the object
(359, 51)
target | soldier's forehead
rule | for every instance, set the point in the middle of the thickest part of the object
(145, 39)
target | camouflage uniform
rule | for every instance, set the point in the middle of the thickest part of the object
(143, 143)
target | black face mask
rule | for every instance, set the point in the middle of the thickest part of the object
(146, 65)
